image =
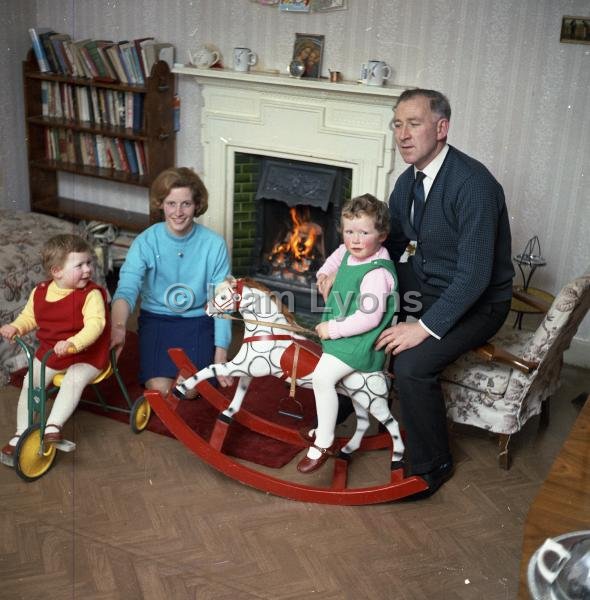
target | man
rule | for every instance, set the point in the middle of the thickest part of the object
(455, 215)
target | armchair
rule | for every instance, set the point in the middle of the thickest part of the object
(501, 385)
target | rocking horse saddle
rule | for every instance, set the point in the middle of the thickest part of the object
(300, 359)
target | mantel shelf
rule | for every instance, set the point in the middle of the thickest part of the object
(279, 79)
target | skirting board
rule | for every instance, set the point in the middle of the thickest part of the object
(578, 354)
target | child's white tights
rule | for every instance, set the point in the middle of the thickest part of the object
(328, 372)
(76, 378)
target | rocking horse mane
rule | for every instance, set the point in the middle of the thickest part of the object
(252, 283)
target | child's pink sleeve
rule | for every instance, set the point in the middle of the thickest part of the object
(375, 288)
(333, 261)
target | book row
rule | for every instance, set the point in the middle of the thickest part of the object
(96, 106)
(128, 62)
(76, 148)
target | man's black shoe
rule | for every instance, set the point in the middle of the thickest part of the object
(434, 479)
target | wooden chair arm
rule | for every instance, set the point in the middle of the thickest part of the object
(538, 303)
(489, 353)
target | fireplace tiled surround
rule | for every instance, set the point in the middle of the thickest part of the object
(345, 124)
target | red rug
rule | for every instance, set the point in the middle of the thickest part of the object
(266, 396)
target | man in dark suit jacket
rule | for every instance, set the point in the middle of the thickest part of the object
(454, 216)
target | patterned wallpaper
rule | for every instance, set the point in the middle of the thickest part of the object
(520, 98)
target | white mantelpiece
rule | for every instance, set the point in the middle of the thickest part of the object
(344, 124)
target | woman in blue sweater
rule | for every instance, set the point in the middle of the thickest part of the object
(170, 266)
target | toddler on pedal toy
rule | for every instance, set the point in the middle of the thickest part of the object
(70, 315)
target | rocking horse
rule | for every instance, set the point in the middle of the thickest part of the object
(273, 345)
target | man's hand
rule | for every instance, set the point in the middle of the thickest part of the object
(400, 337)
(325, 283)
(322, 330)
(221, 357)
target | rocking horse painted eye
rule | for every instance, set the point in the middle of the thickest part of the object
(236, 297)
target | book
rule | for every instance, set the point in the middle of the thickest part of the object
(101, 155)
(71, 152)
(136, 64)
(101, 45)
(76, 50)
(128, 110)
(127, 61)
(121, 151)
(123, 55)
(131, 156)
(39, 51)
(91, 67)
(49, 50)
(114, 154)
(137, 119)
(70, 58)
(95, 58)
(114, 53)
(57, 41)
(140, 55)
(45, 98)
(141, 166)
(95, 108)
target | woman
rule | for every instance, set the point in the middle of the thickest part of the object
(171, 265)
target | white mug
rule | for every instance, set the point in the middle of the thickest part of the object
(377, 72)
(203, 57)
(244, 58)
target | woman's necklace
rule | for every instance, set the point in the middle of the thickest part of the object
(180, 253)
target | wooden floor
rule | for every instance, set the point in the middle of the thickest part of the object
(137, 516)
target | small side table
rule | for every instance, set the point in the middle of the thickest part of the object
(522, 308)
(530, 257)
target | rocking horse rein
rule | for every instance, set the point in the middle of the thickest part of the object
(285, 326)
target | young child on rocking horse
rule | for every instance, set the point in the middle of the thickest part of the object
(356, 281)
(70, 315)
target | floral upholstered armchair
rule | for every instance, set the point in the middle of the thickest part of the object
(501, 385)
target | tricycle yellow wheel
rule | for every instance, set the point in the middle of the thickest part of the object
(32, 458)
(141, 411)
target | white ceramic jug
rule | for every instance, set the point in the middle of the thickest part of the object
(204, 57)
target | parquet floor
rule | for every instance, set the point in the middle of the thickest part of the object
(138, 516)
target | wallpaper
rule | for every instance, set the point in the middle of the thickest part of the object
(519, 97)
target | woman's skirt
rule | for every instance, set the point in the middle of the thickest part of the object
(157, 333)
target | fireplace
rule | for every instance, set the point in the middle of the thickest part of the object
(296, 211)
(342, 125)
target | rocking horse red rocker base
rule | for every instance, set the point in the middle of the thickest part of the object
(264, 352)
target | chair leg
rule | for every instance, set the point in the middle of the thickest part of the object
(545, 413)
(503, 452)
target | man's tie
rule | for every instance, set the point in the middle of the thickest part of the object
(418, 194)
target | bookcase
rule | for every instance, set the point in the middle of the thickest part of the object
(69, 143)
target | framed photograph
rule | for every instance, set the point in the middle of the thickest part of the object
(328, 5)
(294, 5)
(575, 30)
(309, 49)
